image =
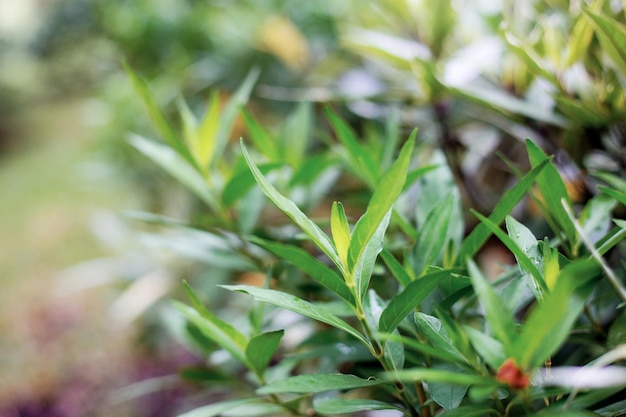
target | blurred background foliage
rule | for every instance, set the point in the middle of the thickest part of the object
(477, 78)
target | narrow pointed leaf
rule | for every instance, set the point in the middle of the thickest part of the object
(431, 328)
(612, 37)
(207, 132)
(157, 117)
(309, 265)
(312, 383)
(408, 299)
(261, 138)
(438, 375)
(340, 230)
(527, 253)
(229, 114)
(261, 348)
(241, 183)
(363, 269)
(487, 347)
(290, 209)
(397, 270)
(498, 317)
(431, 238)
(552, 190)
(521, 256)
(297, 305)
(177, 167)
(471, 411)
(219, 331)
(385, 195)
(550, 322)
(349, 405)
(360, 158)
(474, 241)
(236, 408)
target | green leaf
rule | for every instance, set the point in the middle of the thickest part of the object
(157, 117)
(311, 383)
(373, 307)
(385, 195)
(242, 182)
(552, 190)
(261, 348)
(260, 137)
(289, 208)
(442, 18)
(309, 265)
(505, 103)
(242, 407)
(397, 270)
(519, 250)
(177, 167)
(612, 37)
(207, 132)
(361, 159)
(448, 396)
(363, 269)
(474, 241)
(296, 134)
(581, 36)
(617, 195)
(436, 335)
(525, 247)
(487, 347)
(349, 405)
(341, 231)
(229, 114)
(596, 217)
(438, 375)
(432, 236)
(219, 331)
(498, 317)
(471, 411)
(617, 332)
(408, 299)
(297, 305)
(550, 322)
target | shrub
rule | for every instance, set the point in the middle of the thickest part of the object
(373, 255)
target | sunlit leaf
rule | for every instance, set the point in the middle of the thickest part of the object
(207, 131)
(340, 231)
